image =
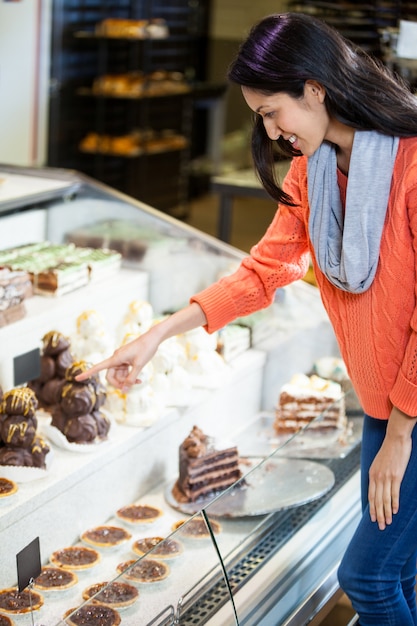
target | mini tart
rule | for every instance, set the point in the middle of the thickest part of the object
(55, 578)
(161, 548)
(139, 513)
(7, 487)
(105, 536)
(115, 594)
(6, 621)
(99, 614)
(75, 557)
(144, 571)
(196, 528)
(15, 603)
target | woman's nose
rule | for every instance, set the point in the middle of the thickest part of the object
(272, 130)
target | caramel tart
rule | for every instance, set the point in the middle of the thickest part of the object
(55, 578)
(161, 548)
(139, 513)
(6, 621)
(7, 487)
(105, 536)
(144, 571)
(75, 557)
(115, 594)
(92, 615)
(14, 602)
(196, 528)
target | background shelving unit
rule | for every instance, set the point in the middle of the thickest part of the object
(158, 177)
(360, 22)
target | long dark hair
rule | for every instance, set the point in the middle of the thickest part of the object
(283, 51)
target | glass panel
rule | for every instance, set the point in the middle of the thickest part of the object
(275, 503)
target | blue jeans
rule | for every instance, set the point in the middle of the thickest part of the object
(378, 570)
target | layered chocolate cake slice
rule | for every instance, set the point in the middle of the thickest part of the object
(203, 470)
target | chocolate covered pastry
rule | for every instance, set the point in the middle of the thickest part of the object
(77, 414)
(18, 430)
(77, 399)
(81, 429)
(63, 360)
(19, 401)
(49, 394)
(56, 357)
(54, 342)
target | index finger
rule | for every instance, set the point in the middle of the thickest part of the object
(94, 369)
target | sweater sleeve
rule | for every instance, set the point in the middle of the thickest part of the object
(280, 257)
(404, 392)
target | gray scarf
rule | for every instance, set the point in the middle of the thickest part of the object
(347, 247)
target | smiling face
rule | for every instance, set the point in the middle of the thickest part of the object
(302, 121)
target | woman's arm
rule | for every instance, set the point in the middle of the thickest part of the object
(124, 366)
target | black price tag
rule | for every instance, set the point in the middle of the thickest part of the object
(26, 367)
(28, 563)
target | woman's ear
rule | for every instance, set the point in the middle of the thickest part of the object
(315, 89)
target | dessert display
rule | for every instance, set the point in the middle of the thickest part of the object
(204, 470)
(305, 398)
(56, 356)
(92, 614)
(161, 548)
(15, 287)
(170, 380)
(144, 571)
(55, 579)
(115, 594)
(105, 536)
(139, 513)
(138, 319)
(204, 362)
(196, 527)
(18, 602)
(156, 28)
(7, 488)
(59, 269)
(75, 558)
(20, 443)
(91, 341)
(78, 413)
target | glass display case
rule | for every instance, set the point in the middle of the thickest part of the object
(263, 552)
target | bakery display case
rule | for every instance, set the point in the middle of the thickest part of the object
(266, 550)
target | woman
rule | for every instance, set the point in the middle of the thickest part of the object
(350, 202)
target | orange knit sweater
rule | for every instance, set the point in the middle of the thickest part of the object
(376, 330)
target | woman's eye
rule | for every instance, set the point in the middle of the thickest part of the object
(268, 115)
